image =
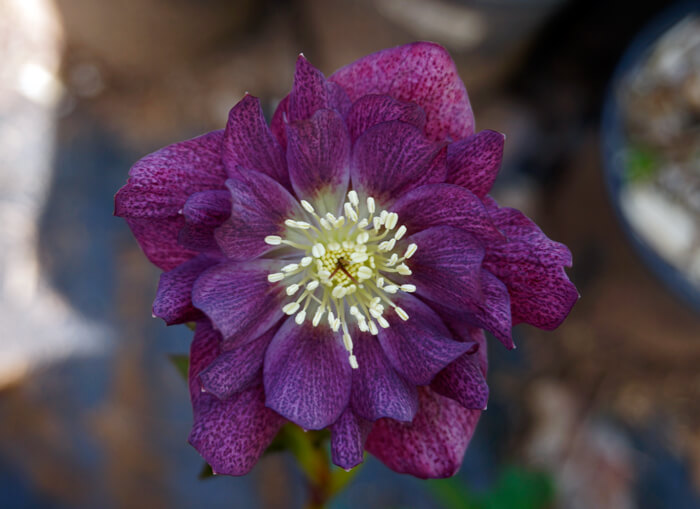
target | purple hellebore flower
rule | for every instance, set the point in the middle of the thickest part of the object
(342, 264)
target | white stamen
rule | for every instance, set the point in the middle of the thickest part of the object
(402, 314)
(410, 251)
(370, 205)
(307, 206)
(343, 267)
(318, 250)
(291, 308)
(391, 219)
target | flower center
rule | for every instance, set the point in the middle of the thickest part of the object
(343, 267)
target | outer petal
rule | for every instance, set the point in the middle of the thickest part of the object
(474, 161)
(421, 346)
(464, 382)
(318, 153)
(259, 207)
(237, 369)
(446, 205)
(531, 266)
(311, 92)
(377, 390)
(248, 142)
(230, 435)
(348, 436)
(158, 187)
(238, 299)
(373, 109)
(447, 267)
(433, 445)
(421, 72)
(204, 212)
(173, 302)
(392, 158)
(307, 375)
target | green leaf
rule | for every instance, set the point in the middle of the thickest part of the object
(641, 163)
(191, 325)
(181, 363)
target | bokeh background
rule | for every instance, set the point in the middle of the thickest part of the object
(602, 413)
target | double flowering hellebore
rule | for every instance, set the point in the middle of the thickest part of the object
(342, 264)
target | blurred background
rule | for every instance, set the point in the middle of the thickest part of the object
(601, 105)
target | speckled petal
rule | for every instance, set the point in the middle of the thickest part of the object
(237, 369)
(421, 346)
(447, 267)
(433, 445)
(348, 436)
(318, 154)
(311, 92)
(422, 72)
(307, 375)
(446, 205)
(238, 298)
(373, 109)
(474, 161)
(230, 435)
(259, 207)
(204, 212)
(532, 267)
(463, 382)
(173, 302)
(392, 158)
(377, 389)
(249, 143)
(158, 186)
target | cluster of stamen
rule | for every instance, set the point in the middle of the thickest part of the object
(346, 268)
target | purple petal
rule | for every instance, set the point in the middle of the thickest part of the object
(348, 435)
(421, 346)
(259, 207)
(463, 382)
(370, 110)
(158, 186)
(392, 158)
(446, 205)
(531, 266)
(237, 369)
(421, 72)
(318, 153)
(447, 267)
(433, 445)
(377, 390)
(280, 119)
(204, 212)
(248, 142)
(311, 92)
(158, 239)
(173, 302)
(230, 435)
(238, 299)
(474, 161)
(307, 375)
